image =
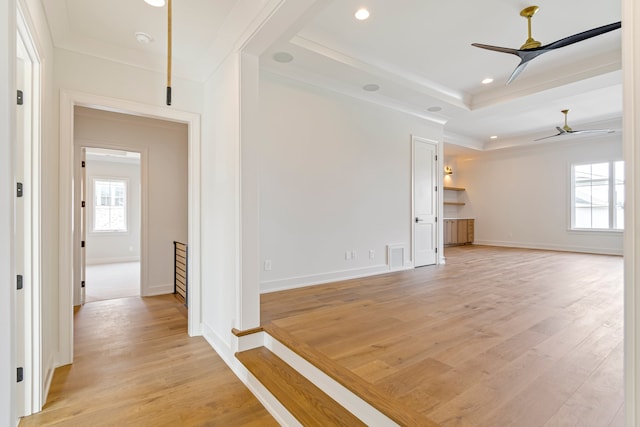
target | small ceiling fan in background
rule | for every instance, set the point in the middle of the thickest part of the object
(533, 48)
(566, 129)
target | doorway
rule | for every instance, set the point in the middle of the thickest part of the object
(110, 224)
(69, 100)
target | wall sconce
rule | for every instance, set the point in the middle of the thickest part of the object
(448, 170)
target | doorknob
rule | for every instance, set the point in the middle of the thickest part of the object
(419, 220)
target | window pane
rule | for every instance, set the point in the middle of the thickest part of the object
(618, 197)
(101, 220)
(582, 217)
(582, 173)
(110, 205)
(118, 219)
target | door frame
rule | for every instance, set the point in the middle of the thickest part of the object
(80, 174)
(29, 311)
(438, 181)
(68, 100)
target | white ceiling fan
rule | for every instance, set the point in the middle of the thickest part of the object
(566, 129)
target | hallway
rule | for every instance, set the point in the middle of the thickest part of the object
(135, 365)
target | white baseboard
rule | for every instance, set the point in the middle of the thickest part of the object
(218, 344)
(334, 276)
(49, 370)
(151, 291)
(551, 247)
(225, 351)
(114, 260)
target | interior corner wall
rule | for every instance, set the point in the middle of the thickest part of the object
(220, 213)
(166, 146)
(335, 178)
(106, 248)
(521, 197)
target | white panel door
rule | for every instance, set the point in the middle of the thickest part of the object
(425, 207)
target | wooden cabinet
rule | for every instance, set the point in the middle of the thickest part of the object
(458, 231)
(462, 231)
(450, 232)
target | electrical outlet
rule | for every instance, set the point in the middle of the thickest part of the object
(372, 254)
(267, 265)
(354, 255)
(347, 255)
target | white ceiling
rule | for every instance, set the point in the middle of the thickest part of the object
(418, 51)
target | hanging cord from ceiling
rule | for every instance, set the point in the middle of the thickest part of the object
(169, 52)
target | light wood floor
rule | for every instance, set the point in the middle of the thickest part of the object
(136, 366)
(496, 337)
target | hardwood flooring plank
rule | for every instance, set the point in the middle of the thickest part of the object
(597, 401)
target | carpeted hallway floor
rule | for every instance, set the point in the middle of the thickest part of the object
(111, 281)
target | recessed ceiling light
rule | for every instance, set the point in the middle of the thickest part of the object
(434, 109)
(487, 81)
(143, 38)
(493, 137)
(282, 57)
(362, 14)
(155, 3)
(371, 87)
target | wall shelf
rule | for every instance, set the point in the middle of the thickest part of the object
(454, 203)
(454, 188)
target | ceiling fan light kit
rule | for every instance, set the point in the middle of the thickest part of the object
(533, 48)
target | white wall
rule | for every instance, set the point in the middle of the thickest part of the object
(164, 144)
(98, 76)
(220, 206)
(104, 248)
(335, 177)
(521, 197)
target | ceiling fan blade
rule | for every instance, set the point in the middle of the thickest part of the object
(581, 36)
(577, 132)
(547, 137)
(560, 132)
(496, 48)
(520, 68)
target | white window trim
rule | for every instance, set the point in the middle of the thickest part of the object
(127, 210)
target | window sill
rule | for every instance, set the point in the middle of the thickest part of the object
(595, 230)
(106, 232)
